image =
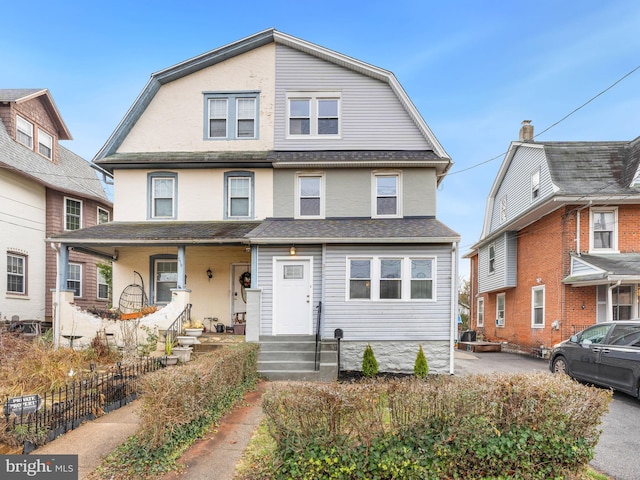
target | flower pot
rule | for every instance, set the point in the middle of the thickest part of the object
(169, 360)
(186, 340)
(193, 332)
(183, 353)
(239, 329)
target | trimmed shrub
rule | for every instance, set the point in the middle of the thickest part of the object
(369, 362)
(421, 368)
(534, 426)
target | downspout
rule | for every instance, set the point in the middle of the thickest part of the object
(610, 300)
(454, 304)
(56, 303)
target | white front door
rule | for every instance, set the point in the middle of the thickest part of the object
(292, 296)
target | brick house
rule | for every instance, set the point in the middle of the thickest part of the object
(560, 242)
(45, 189)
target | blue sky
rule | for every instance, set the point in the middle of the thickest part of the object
(474, 69)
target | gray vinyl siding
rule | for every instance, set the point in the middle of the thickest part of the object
(386, 320)
(348, 192)
(372, 117)
(265, 279)
(516, 185)
(505, 272)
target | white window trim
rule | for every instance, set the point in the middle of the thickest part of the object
(374, 194)
(500, 322)
(250, 196)
(231, 98)
(479, 311)
(299, 176)
(79, 280)
(614, 240)
(490, 270)
(41, 134)
(99, 277)
(28, 134)
(174, 203)
(66, 213)
(99, 209)
(24, 274)
(535, 185)
(405, 279)
(533, 306)
(313, 98)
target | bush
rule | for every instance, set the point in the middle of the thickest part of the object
(369, 363)
(534, 426)
(421, 368)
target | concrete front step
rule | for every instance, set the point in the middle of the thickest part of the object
(293, 357)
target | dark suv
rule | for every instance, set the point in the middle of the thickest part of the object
(607, 354)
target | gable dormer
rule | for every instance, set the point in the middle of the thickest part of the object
(32, 119)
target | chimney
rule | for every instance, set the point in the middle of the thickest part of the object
(526, 131)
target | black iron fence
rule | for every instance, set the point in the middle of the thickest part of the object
(41, 418)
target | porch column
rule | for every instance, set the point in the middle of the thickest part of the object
(62, 266)
(182, 276)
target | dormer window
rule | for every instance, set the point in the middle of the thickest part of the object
(24, 131)
(45, 144)
(313, 114)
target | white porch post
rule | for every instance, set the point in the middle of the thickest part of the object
(182, 275)
(252, 330)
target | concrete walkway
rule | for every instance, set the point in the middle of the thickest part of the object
(214, 456)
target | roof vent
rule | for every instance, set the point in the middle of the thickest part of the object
(526, 131)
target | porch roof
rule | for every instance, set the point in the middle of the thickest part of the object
(103, 239)
(354, 230)
(605, 269)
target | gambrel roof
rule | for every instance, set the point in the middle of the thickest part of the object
(245, 45)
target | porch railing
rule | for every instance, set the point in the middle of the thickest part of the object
(318, 338)
(175, 328)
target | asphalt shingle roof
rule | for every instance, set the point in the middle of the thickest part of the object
(14, 94)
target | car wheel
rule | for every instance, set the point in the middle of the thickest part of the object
(560, 365)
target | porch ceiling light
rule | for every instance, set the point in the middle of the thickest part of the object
(209, 273)
(292, 250)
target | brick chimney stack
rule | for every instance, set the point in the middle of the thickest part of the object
(526, 131)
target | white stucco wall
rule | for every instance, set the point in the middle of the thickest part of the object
(200, 194)
(173, 121)
(22, 231)
(397, 356)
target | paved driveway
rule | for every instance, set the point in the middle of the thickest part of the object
(617, 452)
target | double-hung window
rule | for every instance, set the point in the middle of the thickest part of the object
(386, 195)
(103, 215)
(45, 144)
(310, 202)
(480, 312)
(500, 309)
(230, 116)
(492, 258)
(74, 279)
(165, 278)
(380, 278)
(162, 195)
(537, 306)
(313, 114)
(72, 214)
(239, 195)
(24, 131)
(604, 229)
(16, 273)
(535, 185)
(103, 286)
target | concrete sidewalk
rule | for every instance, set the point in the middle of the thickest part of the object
(214, 456)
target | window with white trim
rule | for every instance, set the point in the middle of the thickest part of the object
(230, 116)
(165, 275)
(604, 229)
(239, 194)
(622, 302)
(535, 185)
(24, 131)
(103, 286)
(492, 258)
(103, 215)
(386, 195)
(500, 307)
(537, 306)
(162, 195)
(74, 279)
(72, 214)
(45, 144)
(310, 194)
(480, 312)
(16, 273)
(313, 114)
(383, 278)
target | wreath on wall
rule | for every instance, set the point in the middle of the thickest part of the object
(245, 282)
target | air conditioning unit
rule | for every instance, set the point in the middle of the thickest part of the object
(499, 322)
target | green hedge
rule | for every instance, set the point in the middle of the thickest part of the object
(529, 426)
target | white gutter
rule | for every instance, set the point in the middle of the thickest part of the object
(56, 305)
(454, 304)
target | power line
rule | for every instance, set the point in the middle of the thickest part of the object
(556, 123)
